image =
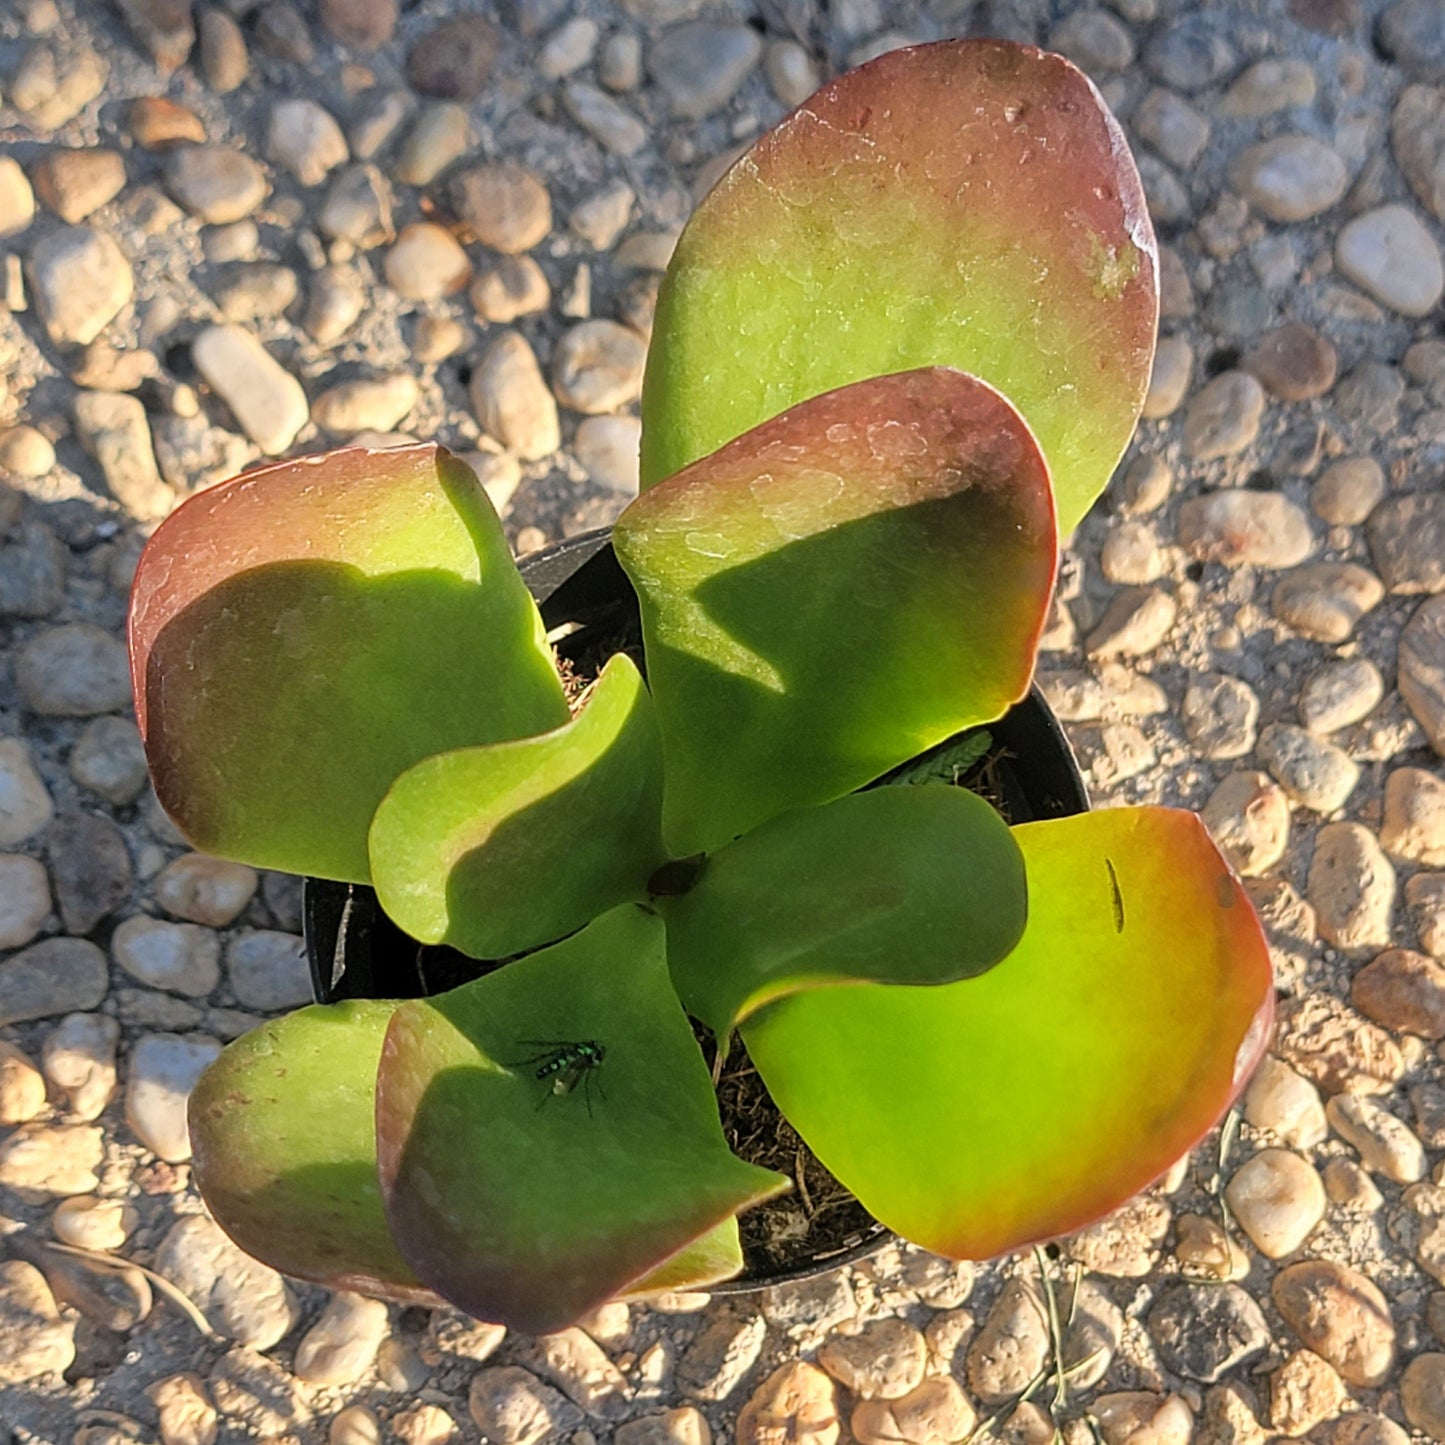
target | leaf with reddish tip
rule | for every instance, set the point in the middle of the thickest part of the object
(529, 1206)
(835, 592)
(499, 849)
(905, 885)
(303, 634)
(283, 1133)
(971, 204)
(982, 1116)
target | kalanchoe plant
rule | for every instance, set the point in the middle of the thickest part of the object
(900, 345)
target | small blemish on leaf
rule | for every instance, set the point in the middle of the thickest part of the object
(1224, 890)
(1113, 269)
(1118, 897)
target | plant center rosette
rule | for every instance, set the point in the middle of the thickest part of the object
(901, 344)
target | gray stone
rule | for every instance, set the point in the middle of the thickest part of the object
(571, 46)
(1407, 542)
(511, 1406)
(1339, 694)
(1224, 417)
(25, 806)
(453, 60)
(714, 1363)
(75, 670)
(114, 430)
(1348, 491)
(80, 280)
(334, 301)
(1291, 178)
(1189, 54)
(242, 1298)
(1422, 669)
(1413, 31)
(163, 1069)
(1203, 1331)
(791, 71)
(1220, 714)
(1371, 395)
(1417, 134)
(109, 760)
(1269, 86)
(267, 970)
(1314, 773)
(1389, 253)
(24, 899)
(607, 121)
(178, 957)
(90, 867)
(700, 66)
(32, 571)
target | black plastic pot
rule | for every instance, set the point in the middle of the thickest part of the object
(356, 951)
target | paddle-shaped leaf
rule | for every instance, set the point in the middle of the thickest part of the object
(498, 849)
(303, 634)
(836, 591)
(970, 204)
(283, 1129)
(915, 885)
(548, 1135)
(980, 1116)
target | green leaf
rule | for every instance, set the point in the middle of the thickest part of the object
(978, 1117)
(835, 592)
(302, 635)
(709, 1259)
(527, 1206)
(283, 1136)
(917, 885)
(498, 849)
(970, 204)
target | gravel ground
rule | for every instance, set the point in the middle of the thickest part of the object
(252, 228)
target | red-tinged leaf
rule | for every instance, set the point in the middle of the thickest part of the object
(283, 1128)
(982, 1116)
(835, 592)
(527, 1205)
(970, 203)
(303, 634)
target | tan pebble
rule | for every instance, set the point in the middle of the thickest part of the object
(22, 1086)
(795, 1405)
(1029, 1424)
(935, 1412)
(1139, 1417)
(1403, 990)
(1365, 1427)
(1012, 1346)
(1414, 822)
(426, 263)
(1304, 1392)
(1349, 1187)
(1124, 1244)
(1336, 1048)
(1278, 1199)
(1205, 1251)
(355, 1425)
(157, 123)
(946, 1334)
(1248, 816)
(91, 1223)
(423, 1425)
(187, 1417)
(1352, 887)
(1341, 1316)
(1285, 1103)
(1134, 623)
(884, 1359)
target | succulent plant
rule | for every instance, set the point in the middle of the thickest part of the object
(900, 346)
